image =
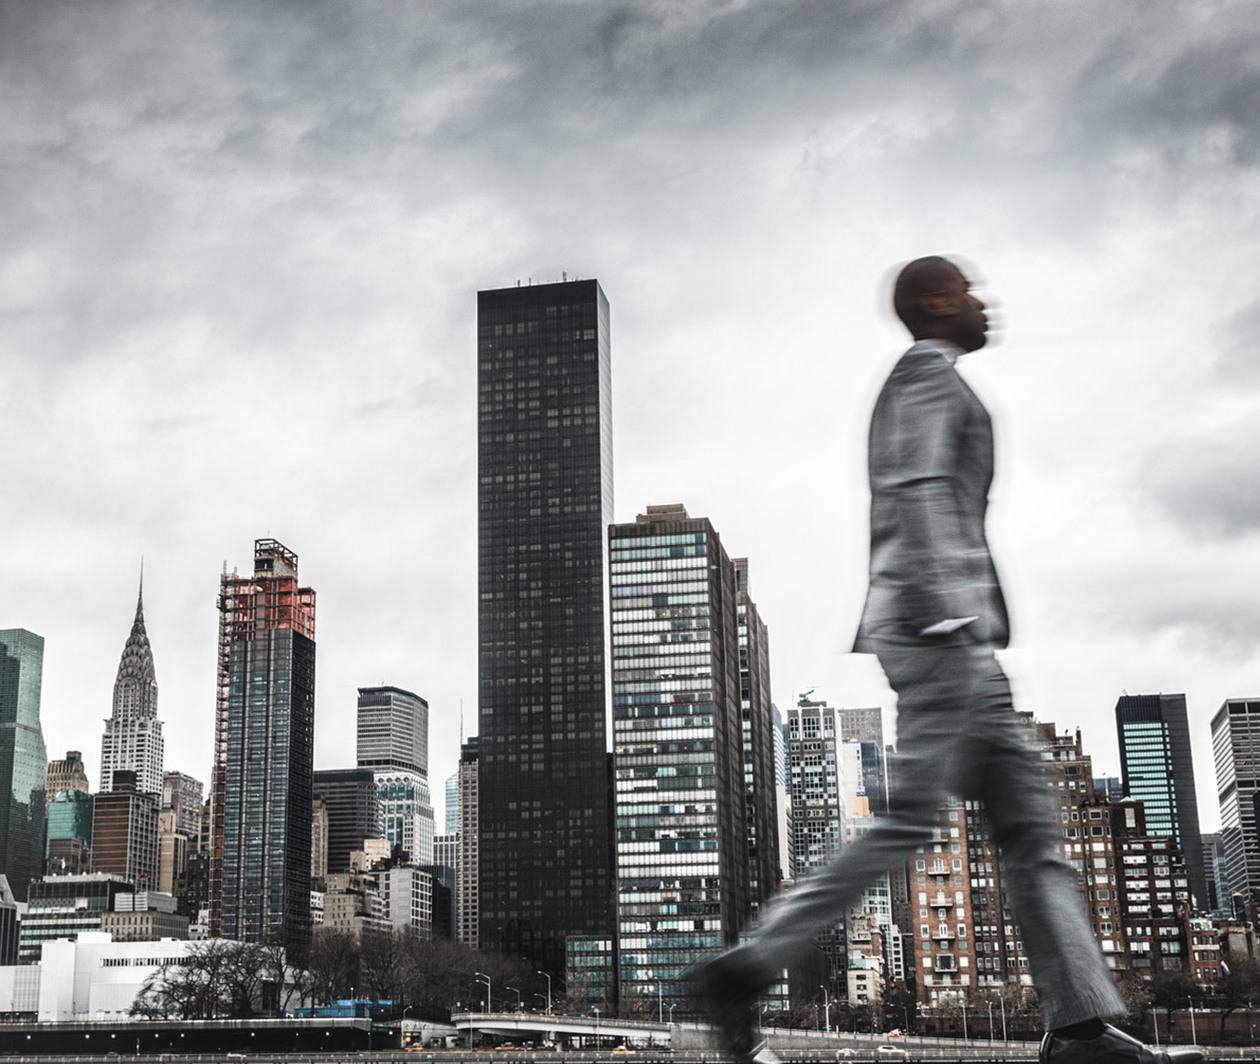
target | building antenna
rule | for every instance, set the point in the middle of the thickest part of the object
(461, 722)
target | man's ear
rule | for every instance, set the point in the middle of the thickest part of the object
(937, 304)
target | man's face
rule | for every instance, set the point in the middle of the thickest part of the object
(970, 323)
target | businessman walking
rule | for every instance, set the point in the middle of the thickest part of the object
(934, 617)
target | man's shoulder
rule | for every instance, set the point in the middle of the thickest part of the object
(922, 366)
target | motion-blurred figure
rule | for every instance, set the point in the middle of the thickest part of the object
(934, 617)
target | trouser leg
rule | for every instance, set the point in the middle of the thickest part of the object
(932, 689)
(1072, 979)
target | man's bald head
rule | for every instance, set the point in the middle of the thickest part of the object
(933, 299)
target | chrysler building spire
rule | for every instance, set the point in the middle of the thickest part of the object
(133, 734)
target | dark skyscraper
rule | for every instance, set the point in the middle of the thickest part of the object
(1157, 769)
(544, 503)
(23, 759)
(264, 750)
(758, 743)
(354, 807)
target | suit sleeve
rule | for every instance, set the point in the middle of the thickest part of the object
(918, 472)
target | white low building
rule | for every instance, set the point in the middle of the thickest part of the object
(88, 978)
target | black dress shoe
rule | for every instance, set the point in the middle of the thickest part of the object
(731, 1002)
(1113, 1046)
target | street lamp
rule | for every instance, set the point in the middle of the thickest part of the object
(548, 978)
(518, 996)
(674, 1005)
(964, 1008)
(990, 1004)
(826, 1008)
(1194, 1038)
(483, 978)
(660, 1003)
(595, 1009)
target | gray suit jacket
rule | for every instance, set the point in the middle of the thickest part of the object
(931, 463)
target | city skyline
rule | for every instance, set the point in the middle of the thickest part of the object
(195, 227)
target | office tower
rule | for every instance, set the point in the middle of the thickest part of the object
(467, 909)
(782, 794)
(125, 832)
(450, 822)
(319, 838)
(173, 852)
(393, 729)
(682, 835)
(64, 906)
(67, 774)
(393, 741)
(133, 734)
(68, 850)
(865, 726)
(184, 796)
(353, 801)
(1158, 770)
(261, 794)
(407, 899)
(1109, 788)
(544, 502)
(1236, 752)
(8, 924)
(444, 887)
(145, 916)
(23, 759)
(70, 817)
(758, 743)
(817, 767)
(445, 868)
(1220, 893)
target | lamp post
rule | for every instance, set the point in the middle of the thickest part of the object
(1002, 1003)
(1194, 1038)
(990, 1004)
(548, 978)
(674, 1005)
(966, 1040)
(483, 978)
(826, 1009)
(518, 996)
(595, 1008)
(660, 1003)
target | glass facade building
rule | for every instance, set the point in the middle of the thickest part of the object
(544, 502)
(1158, 770)
(407, 812)
(681, 828)
(70, 817)
(264, 749)
(23, 759)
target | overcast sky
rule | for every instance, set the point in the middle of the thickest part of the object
(240, 246)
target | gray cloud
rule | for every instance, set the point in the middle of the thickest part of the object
(240, 242)
(1239, 360)
(1209, 486)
